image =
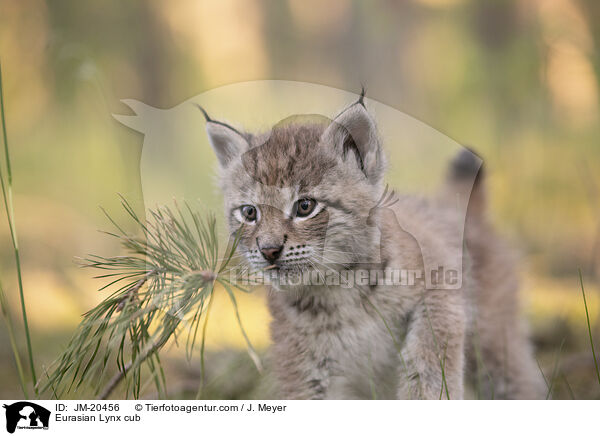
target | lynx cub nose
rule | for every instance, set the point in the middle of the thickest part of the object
(271, 253)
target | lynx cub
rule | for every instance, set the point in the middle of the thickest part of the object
(309, 196)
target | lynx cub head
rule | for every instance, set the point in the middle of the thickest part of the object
(301, 193)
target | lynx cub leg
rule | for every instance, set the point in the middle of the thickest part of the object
(433, 354)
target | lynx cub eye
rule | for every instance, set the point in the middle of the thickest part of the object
(304, 207)
(248, 212)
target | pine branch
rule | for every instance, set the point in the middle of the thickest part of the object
(160, 288)
(118, 377)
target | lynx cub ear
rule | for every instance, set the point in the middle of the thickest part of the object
(354, 133)
(226, 141)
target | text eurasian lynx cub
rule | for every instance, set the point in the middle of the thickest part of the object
(308, 196)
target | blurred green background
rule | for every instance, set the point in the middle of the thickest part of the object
(515, 79)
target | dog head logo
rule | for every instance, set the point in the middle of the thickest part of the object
(255, 153)
(26, 415)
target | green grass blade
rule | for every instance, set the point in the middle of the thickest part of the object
(589, 326)
(13, 342)
(555, 370)
(202, 347)
(249, 348)
(8, 205)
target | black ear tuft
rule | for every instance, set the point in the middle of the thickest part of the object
(206, 117)
(210, 120)
(354, 131)
(361, 99)
(226, 141)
